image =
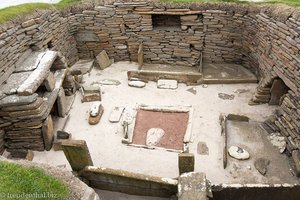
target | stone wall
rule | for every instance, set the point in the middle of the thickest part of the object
(120, 28)
(274, 47)
(45, 29)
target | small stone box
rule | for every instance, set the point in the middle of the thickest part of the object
(186, 162)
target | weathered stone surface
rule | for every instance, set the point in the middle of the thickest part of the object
(86, 36)
(278, 141)
(192, 90)
(13, 82)
(31, 62)
(141, 55)
(77, 153)
(82, 67)
(61, 103)
(154, 135)
(95, 108)
(91, 93)
(137, 84)
(30, 85)
(167, 84)
(226, 96)
(96, 113)
(192, 186)
(296, 158)
(48, 133)
(238, 153)
(116, 114)
(15, 100)
(261, 164)
(49, 82)
(63, 135)
(202, 148)
(103, 60)
(108, 82)
(186, 162)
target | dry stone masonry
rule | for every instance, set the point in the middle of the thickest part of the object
(259, 37)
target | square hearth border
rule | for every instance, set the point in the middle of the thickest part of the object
(128, 137)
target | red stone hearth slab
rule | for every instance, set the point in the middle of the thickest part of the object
(173, 123)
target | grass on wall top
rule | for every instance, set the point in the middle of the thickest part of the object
(17, 180)
(19, 10)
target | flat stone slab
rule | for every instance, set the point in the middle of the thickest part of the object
(116, 114)
(238, 153)
(167, 84)
(137, 84)
(261, 164)
(108, 82)
(222, 73)
(154, 136)
(37, 77)
(15, 100)
(103, 60)
(13, 82)
(32, 62)
(82, 67)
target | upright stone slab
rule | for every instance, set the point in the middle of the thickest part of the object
(192, 186)
(48, 132)
(103, 60)
(49, 82)
(141, 56)
(61, 103)
(186, 162)
(77, 153)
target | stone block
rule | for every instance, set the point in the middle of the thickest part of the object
(49, 82)
(103, 60)
(77, 153)
(90, 93)
(186, 162)
(15, 100)
(192, 186)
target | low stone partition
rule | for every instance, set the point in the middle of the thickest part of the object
(255, 191)
(128, 182)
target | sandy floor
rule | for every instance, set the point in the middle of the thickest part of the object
(7, 3)
(104, 139)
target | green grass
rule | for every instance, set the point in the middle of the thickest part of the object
(23, 9)
(289, 2)
(19, 180)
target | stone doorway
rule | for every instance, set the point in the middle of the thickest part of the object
(278, 90)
